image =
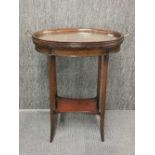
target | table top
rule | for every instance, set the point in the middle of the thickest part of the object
(77, 37)
(72, 38)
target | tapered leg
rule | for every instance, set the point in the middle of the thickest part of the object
(104, 67)
(98, 82)
(53, 92)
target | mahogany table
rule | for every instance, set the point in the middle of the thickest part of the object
(70, 42)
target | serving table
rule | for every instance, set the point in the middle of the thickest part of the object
(71, 42)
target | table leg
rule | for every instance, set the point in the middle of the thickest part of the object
(53, 92)
(104, 67)
(98, 82)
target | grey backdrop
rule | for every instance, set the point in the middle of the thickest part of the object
(76, 76)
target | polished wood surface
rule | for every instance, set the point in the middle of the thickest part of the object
(53, 92)
(77, 37)
(98, 82)
(103, 81)
(76, 105)
(77, 52)
(72, 42)
(68, 39)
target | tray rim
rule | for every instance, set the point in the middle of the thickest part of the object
(93, 30)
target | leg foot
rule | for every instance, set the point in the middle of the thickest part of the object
(53, 126)
(101, 129)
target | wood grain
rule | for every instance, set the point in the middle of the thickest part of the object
(76, 105)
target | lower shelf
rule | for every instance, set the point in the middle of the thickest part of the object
(76, 105)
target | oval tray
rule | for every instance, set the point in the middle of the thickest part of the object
(77, 38)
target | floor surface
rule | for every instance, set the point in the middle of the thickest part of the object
(77, 134)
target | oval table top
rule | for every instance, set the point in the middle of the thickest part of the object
(72, 39)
